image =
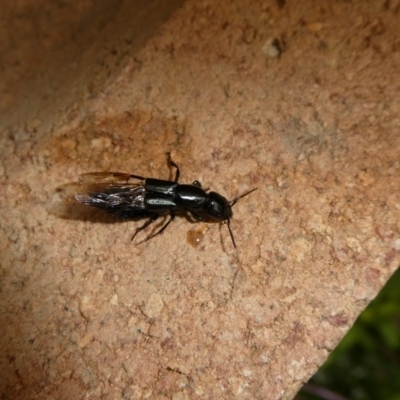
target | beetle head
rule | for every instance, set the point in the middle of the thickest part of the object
(218, 207)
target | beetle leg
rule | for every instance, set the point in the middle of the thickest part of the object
(145, 225)
(193, 214)
(172, 216)
(178, 171)
(231, 233)
(197, 183)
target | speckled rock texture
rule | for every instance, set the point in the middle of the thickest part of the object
(298, 99)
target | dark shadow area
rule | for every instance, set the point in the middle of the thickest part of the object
(366, 363)
(54, 53)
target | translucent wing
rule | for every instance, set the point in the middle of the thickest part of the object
(109, 177)
(111, 191)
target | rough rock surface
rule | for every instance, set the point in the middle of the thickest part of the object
(299, 100)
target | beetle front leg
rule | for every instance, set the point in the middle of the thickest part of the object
(196, 217)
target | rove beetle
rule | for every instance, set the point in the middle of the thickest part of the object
(151, 198)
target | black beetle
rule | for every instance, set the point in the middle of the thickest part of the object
(151, 198)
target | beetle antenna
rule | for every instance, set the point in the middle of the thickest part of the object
(234, 201)
(230, 231)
